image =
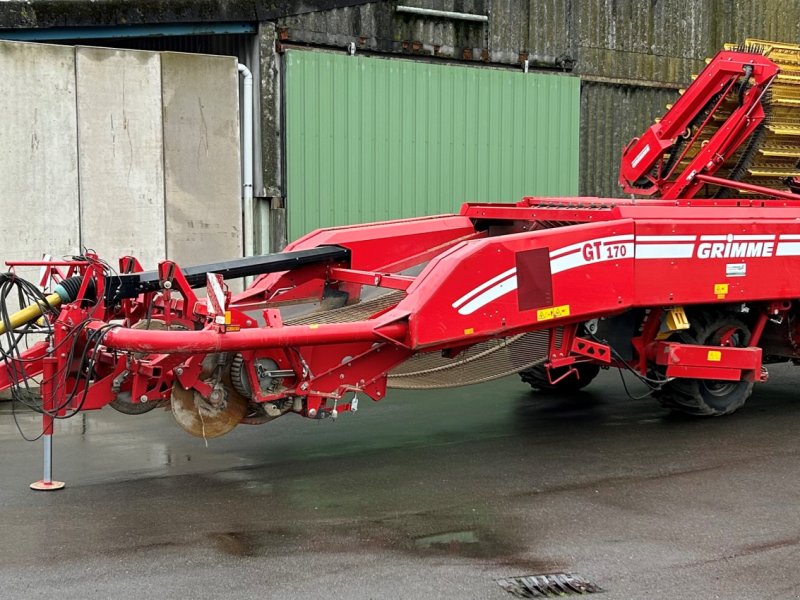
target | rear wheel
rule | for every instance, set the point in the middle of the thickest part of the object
(708, 397)
(537, 378)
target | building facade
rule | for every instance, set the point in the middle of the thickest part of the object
(371, 110)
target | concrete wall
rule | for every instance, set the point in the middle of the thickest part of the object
(120, 147)
(201, 157)
(120, 151)
(38, 152)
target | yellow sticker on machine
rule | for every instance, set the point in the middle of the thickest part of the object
(561, 311)
(544, 314)
(720, 289)
(714, 356)
(555, 312)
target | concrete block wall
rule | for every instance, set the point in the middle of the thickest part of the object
(120, 145)
(120, 151)
(201, 157)
(38, 152)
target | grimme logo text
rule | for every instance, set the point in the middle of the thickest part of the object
(734, 249)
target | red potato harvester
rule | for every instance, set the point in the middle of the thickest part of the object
(693, 290)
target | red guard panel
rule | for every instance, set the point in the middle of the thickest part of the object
(390, 245)
(702, 261)
(472, 291)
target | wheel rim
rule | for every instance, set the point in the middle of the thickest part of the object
(715, 392)
(719, 389)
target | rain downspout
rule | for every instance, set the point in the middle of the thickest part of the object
(247, 160)
(445, 14)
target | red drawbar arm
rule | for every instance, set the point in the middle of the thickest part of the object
(28, 365)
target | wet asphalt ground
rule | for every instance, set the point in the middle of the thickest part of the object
(423, 495)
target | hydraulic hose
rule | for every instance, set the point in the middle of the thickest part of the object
(748, 73)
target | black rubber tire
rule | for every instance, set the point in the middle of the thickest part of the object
(705, 397)
(536, 377)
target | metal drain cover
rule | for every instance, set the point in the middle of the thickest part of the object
(548, 586)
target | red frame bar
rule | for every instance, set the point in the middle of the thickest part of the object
(28, 365)
(372, 278)
(685, 360)
(750, 187)
(208, 340)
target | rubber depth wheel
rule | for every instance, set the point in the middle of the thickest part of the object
(537, 378)
(707, 397)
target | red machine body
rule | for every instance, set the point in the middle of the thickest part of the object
(692, 295)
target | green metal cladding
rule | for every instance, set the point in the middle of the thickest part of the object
(371, 139)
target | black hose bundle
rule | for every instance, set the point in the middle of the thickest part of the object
(15, 340)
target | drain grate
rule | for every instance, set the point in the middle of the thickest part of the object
(548, 586)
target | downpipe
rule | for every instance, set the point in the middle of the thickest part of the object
(247, 160)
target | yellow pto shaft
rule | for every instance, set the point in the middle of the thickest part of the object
(29, 313)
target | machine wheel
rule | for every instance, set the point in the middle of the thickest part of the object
(199, 417)
(208, 417)
(537, 378)
(122, 403)
(706, 397)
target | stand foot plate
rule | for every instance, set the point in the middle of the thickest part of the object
(47, 486)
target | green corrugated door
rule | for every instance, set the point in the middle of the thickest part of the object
(370, 139)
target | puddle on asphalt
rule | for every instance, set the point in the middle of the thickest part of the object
(12, 419)
(236, 543)
(479, 544)
(249, 543)
(486, 538)
(462, 543)
(485, 546)
(246, 480)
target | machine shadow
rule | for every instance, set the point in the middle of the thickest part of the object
(605, 402)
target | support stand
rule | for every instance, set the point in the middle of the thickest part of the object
(48, 406)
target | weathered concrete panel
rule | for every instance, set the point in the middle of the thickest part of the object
(38, 157)
(38, 151)
(58, 13)
(612, 115)
(653, 41)
(377, 26)
(271, 147)
(120, 145)
(201, 157)
(549, 26)
(777, 20)
(509, 29)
